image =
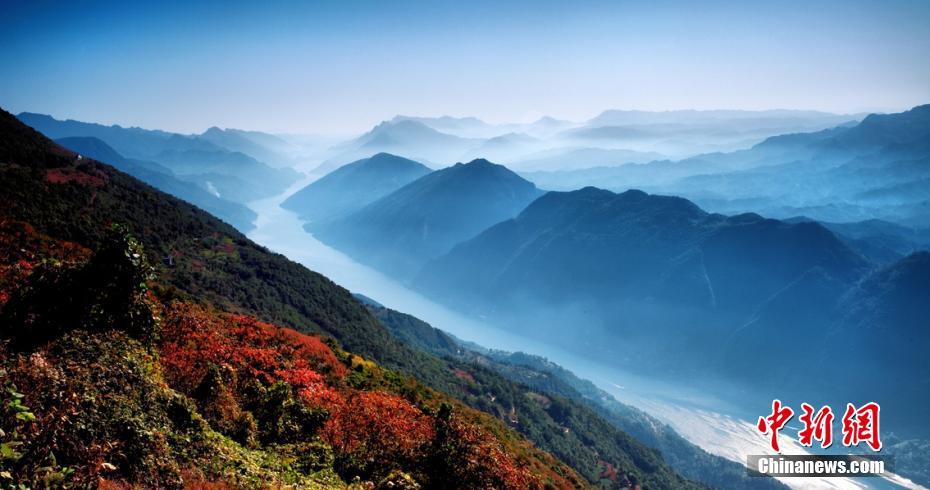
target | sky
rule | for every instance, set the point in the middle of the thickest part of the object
(340, 67)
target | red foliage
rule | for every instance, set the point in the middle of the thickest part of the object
(194, 338)
(609, 472)
(464, 375)
(482, 459)
(22, 247)
(64, 175)
(378, 426)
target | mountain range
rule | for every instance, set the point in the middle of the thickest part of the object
(691, 293)
(873, 169)
(224, 171)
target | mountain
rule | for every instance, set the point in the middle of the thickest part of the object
(880, 323)
(424, 219)
(230, 175)
(658, 272)
(130, 142)
(506, 147)
(163, 179)
(466, 127)
(546, 126)
(872, 326)
(880, 241)
(856, 171)
(682, 134)
(770, 118)
(98, 150)
(263, 147)
(472, 127)
(883, 130)
(407, 137)
(353, 186)
(581, 158)
(202, 359)
(655, 284)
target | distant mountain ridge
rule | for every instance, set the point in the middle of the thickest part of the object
(224, 172)
(850, 172)
(260, 146)
(133, 142)
(408, 137)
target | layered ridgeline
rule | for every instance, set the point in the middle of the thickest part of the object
(654, 282)
(426, 218)
(401, 137)
(163, 179)
(201, 159)
(874, 169)
(192, 357)
(263, 147)
(353, 186)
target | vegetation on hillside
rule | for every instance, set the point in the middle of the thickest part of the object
(112, 383)
(206, 269)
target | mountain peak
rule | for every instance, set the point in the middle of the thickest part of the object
(479, 162)
(384, 156)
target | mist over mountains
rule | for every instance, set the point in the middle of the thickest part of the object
(672, 286)
(696, 246)
(871, 170)
(620, 137)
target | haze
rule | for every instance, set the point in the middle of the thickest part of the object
(340, 67)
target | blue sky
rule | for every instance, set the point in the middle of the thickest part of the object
(334, 67)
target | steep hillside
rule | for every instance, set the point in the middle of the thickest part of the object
(424, 219)
(882, 324)
(110, 381)
(353, 186)
(567, 403)
(163, 179)
(212, 292)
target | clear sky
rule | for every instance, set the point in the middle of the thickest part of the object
(335, 67)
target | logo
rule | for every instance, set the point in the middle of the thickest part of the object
(859, 425)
